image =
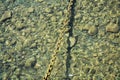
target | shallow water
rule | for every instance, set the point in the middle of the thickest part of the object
(30, 30)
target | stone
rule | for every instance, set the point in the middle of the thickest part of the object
(84, 27)
(6, 15)
(110, 62)
(72, 41)
(37, 65)
(47, 10)
(39, 0)
(112, 27)
(30, 9)
(92, 30)
(53, 19)
(19, 25)
(60, 13)
(30, 62)
(2, 40)
(78, 16)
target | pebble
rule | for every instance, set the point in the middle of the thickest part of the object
(37, 65)
(112, 27)
(6, 15)
(110, 62)
(2, 40)
(84, 27)
(48, 10)
(39, 0)
(78, 16)
(72, 41)
(30, 9)
(53, 19)
(19, 25)
(60, 13)
(30, 62)
(33, 45)
(92, 30)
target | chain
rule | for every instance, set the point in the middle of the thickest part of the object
(59, 40)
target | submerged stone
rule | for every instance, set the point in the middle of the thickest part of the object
(92, 30)
(111, 27)
(6, 15)
(30, 62)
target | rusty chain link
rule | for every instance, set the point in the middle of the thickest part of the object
(59, 40)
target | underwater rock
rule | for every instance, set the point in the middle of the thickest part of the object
(92, 30)
(37, 65)
(47, 10)
(6, 15)
(60, 13)
(33, 45)
(53, 19)
(77, 16)
(30, 62)
(30, 9)
(4, 76)
(39, 0)
(2, 40)
(72, 41)
(84, 27)
(19, 25)
(111, 27)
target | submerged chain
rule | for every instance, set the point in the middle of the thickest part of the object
(59, 40)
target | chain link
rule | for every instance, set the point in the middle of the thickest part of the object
(59, 40)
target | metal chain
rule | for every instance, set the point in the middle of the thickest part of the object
(59, 40)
